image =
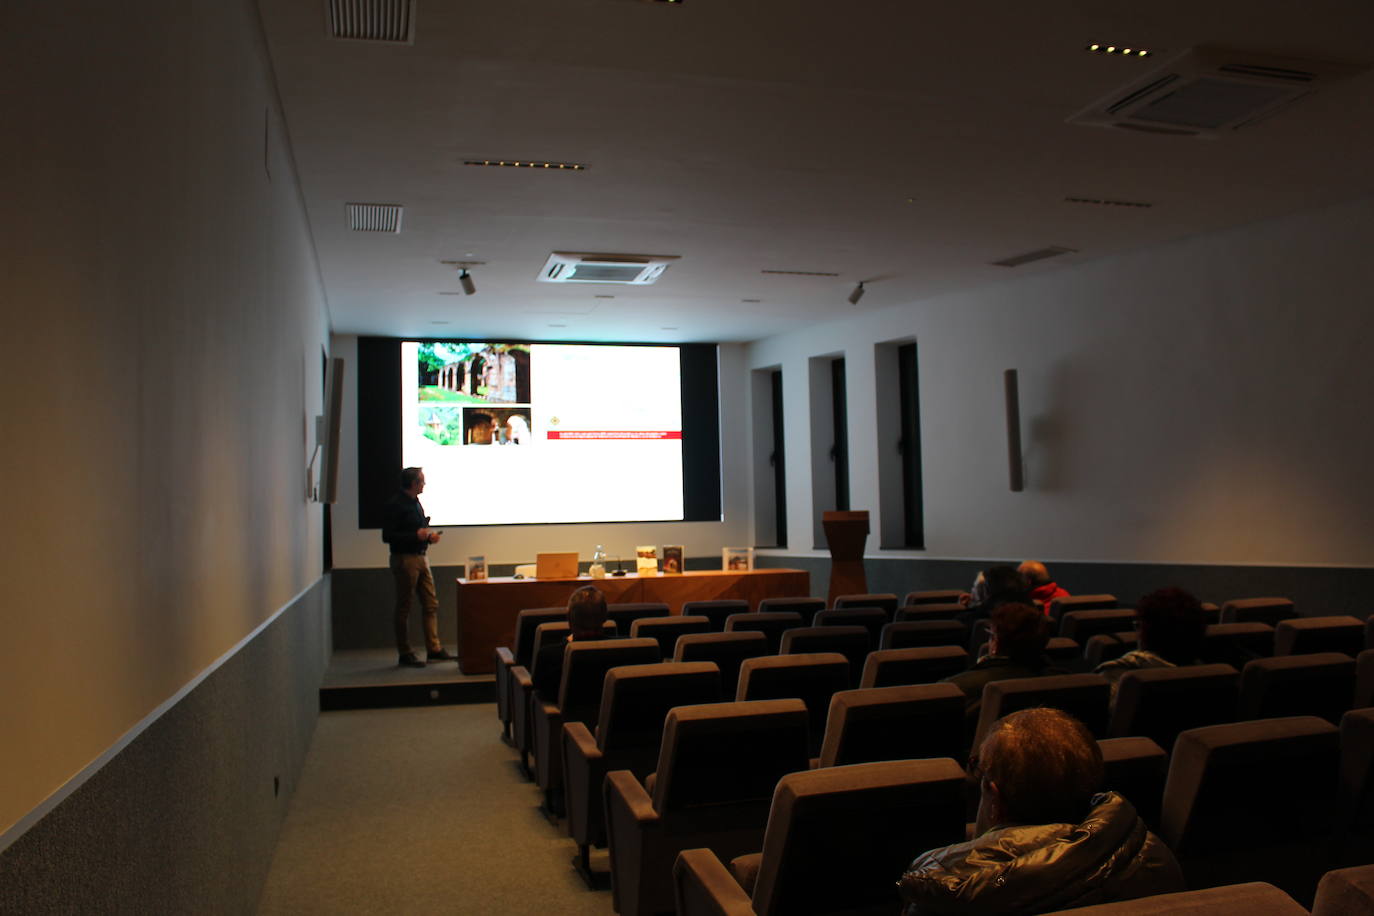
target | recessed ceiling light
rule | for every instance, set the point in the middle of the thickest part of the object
(1104, 202)
(1098, 48)
(530, 164)
(1039, 254)
(802, 273)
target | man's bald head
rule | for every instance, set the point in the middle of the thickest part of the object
(1034, 572)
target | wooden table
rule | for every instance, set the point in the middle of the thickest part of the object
(487, 608)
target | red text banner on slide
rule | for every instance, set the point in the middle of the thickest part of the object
(614, 434)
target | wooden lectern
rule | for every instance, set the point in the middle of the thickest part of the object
(845, 534)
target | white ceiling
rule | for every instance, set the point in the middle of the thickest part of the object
(907, 144)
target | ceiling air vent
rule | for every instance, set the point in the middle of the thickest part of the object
(1041, 254)
(1206, 92)
(391, 21)
(374, 217)
(634, 269)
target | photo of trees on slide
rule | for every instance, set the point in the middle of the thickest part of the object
(452, 375)
(475, 373)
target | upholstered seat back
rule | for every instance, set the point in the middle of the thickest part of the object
(1306, 635)
(635, 700)
(666, 630)
(715, 610)
(1257, 610)
(1235, 644)
(1158, 703)
(893, 723)
(526, 622)
(1253, 801)
(921, 665)
(722, 754)
(805, 606)
(584, 673)
(812, 678)
(850, 641)
(771, 624)
(872, 619)
(727, 650)
(1322, 684)
(910, 634)
(886, 601)
(1061, 606)
(1083, 696)
(1084, 624)
(929, 612)
(626, 613)
(1103, 647)
(933, 596)
(837, 838)
(1135, 769)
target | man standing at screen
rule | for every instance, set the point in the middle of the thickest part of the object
(407, 530)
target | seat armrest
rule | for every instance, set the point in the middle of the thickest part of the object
(579, 741)
(505, 661)
(546, 720)
(630, 796)
(583, 772)
(632, 824)
(702, 886)
(522, 693)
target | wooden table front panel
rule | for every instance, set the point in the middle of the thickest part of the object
(487, 609)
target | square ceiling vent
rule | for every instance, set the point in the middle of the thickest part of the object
(624, 269)
(1206, 92)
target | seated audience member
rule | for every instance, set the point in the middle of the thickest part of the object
(1043, 839)
(1001, 585)
(586, 614)
(1016, 648)
(978, 594)
(1171, 626)
(1043, 589)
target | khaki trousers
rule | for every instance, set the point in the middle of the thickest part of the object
(412, 575)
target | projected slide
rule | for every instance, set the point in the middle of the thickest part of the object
(516, 433)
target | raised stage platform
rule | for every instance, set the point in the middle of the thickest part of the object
(371, 679)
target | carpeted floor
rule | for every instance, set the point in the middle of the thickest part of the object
(420, 810)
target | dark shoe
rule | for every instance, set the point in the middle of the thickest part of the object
(410, 661)
(440, 656)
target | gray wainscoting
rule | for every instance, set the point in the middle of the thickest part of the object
(185, 818)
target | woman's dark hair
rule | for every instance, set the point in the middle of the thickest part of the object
(1172, 625)
(1005, 585)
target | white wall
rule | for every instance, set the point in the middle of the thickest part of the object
(1206, 401)
(363, 548)
(160, 354)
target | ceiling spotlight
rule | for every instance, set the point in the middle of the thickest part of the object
(858, 294)
(465, 280)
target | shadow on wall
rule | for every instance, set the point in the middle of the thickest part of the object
(1049, 436)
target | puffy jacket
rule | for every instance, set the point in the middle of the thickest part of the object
(1036, 869)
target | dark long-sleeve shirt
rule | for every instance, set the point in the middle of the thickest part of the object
(404, 517)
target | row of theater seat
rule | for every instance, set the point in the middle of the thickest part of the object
(936, 703)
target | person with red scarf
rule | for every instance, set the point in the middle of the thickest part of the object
(1043, 588)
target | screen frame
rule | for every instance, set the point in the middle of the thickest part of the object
(379, 426)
